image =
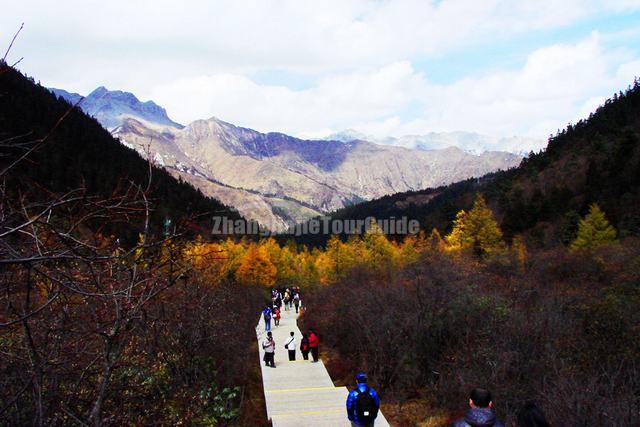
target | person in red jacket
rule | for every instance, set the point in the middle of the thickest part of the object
(314, 342)
(276, 316)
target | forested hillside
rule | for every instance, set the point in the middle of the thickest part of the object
(594, 160)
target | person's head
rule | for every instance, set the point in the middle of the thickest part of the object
(269, 334)
(292, 333)
(311, 331)
(532, 416)
(480, 398)
(361, 378)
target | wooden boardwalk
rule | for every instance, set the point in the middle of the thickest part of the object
(300, 393)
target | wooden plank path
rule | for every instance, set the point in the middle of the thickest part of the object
(300, 393)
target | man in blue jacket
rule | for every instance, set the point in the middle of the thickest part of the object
(363, 403)
(266, 314)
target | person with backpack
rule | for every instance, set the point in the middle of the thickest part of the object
(266, 314)
(296, 301)
(314, 343)
(291, 346)
(480, 412)
(304, 347)
(276, 316)
(269, 346)
(363, 403)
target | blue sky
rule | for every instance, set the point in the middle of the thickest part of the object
(384, 68)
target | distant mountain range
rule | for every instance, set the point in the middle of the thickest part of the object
(274, 178)
(470, 142)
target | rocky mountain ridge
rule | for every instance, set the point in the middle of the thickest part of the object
(277, 179)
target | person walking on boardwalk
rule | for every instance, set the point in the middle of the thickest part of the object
(304, 347)
(363, 403)
(296, 301)
(291, 346)
(287, 297)
(314, 343)
(276, 316)
(266, 314)
(480, 412)
(269, 346)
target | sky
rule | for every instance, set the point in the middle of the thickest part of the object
(380, 67)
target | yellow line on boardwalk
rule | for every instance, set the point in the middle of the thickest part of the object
(290, 390)
(293, 414)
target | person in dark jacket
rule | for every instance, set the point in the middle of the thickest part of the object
(532, 416)
(357, 393)
(480, 413)
(304, 347)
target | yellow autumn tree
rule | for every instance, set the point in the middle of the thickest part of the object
(207, 259)
(594, 230)
(325, 266)
(344, 255)
(285, 266)
(306, 270)
(256, 267)
(382, 255)
(409, 251)
(234, 253)
(435, 242)
(477, 230)
(458, 238)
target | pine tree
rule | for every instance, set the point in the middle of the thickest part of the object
(594, 230)
(476, 229)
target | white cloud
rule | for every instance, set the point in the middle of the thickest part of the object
(197, 59)
(334, 103)
(556, 84)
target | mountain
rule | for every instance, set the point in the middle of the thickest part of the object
(111, 108)
(291, 179)
(596, 160)
(80, 153)
(471, 142)
(274, 178)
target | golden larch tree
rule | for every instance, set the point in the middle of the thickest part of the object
(256, 267)
(594, 230)
(477, 229)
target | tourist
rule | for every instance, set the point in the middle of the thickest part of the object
(296, 302)
(532, 416)
(304, 347)
(314, 342)
(266, 314)
(291, 346)
(363, 403)
(276, 316)
(480, 412)
(269, 346)
(287, 297)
